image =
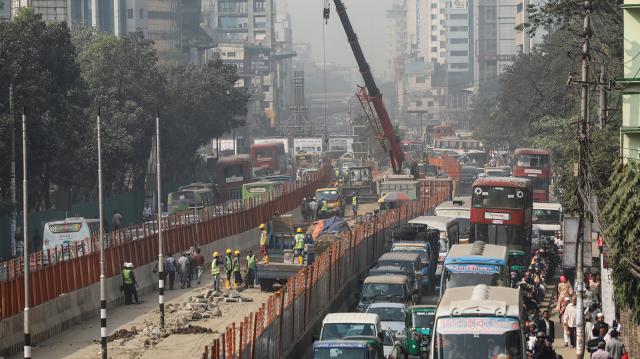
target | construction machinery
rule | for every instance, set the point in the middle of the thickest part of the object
(369, 96)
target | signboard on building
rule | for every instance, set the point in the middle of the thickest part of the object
(344, 144)
(459, 4)
(307, 145)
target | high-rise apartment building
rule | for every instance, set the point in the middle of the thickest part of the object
(460, 51)
(524, 40)
(495, 39)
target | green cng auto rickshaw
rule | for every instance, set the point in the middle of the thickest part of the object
(418, 328)
(518, 262)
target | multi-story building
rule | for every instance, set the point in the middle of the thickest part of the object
(250, 25)
(396, 41)
(526, 41)
(5, 9)
(460, 52)
(630, 131)
(495, 45)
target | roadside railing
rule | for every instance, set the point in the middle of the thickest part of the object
(57, 272)
(273, 330)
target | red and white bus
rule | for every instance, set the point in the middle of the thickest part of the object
(272, 157)
(533, 164)
(501, 209)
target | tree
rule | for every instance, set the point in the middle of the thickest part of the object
(39, 60)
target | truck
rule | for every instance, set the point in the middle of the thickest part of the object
(359, 180)
(281, 265)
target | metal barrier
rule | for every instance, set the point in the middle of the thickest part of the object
(273, 330)
(53, 274)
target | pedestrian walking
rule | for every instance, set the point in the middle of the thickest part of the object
(592, 345)
(569, 321)
(237, 274)
(184, 269)
(264, 243)
(228, 267)
(251, 270)
(564, 290)
(170, 269)
(601, 353)
(615, 347)
(547, 326)
(215, 271)
(198, 262)
(146, 213)
(116, 220)
(129, 284)
(600, 323)
(298, 246)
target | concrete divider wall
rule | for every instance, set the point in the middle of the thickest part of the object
(56, 315)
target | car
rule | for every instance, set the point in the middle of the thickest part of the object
(343, 325)
(392, 316)
(385, 288)
(392, 347)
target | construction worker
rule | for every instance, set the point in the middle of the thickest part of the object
(129, 284)
(236, 269)
(264, 242)
(298, 246)
(251, 269)
(337, 173)
(228, 268)
(354, 203)
(324, 209)
(215, 271)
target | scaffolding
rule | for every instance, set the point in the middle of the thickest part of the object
(297, 124)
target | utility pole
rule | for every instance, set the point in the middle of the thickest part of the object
(103, 278)
(25, 238)
(583, 190)
(12, 176)
(602, 99)
(160, 254)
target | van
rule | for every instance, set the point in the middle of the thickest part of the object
(341, 325)
(385, 288)
(65, 233)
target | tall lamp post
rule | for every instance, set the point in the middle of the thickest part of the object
(103, 278)
(25, 238)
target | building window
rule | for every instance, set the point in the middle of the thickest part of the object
(434, 38)
(258, 6)
(433, 59)
(141, 13)
(459, 66)
(129, 13)
(260, 22)
(434, 49)
(459, 41)
(421, 79)
(458, 16)
(418, 103)
(231, 54)
(443, 44)
(434, 6)
(433, 17)
(519, 8)
(458, 28)
(459, 53)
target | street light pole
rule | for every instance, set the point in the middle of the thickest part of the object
(103, 279)
(160, 254)
(25, 238)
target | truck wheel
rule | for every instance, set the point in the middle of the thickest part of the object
(266, 285)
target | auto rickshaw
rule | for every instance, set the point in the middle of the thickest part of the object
(518, 262)
(418, 327)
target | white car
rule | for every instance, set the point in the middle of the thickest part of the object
(392, 316)
(391, 346)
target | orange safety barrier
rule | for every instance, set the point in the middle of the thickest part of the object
(306, 294)
(68, 268)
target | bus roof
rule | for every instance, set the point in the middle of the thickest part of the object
(509, 182)
(549, 206)
(480, 300)
(438, 222)
(73, 219)
(356, 318)
(478, 253)
(530, 151)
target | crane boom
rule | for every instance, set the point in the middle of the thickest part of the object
(382, 125)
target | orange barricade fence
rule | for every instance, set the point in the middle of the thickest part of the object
(289, 313)
(71, 267)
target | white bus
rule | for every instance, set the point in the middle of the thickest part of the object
(64, 234)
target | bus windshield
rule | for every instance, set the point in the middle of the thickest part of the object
(498, 234)
(455, 280)
(478, 337)
(498, 197)
(535, 161)
(233, 172)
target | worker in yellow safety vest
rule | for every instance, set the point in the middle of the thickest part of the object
(215, 271)
(251, 269)
(298, 247)
(264, 243)
(354, 203)
(237, 276)
(228, 268)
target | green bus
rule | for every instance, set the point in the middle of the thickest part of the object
(257, 189)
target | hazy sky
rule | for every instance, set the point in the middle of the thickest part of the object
(367, 18)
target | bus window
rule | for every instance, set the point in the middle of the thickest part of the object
(538, 161)
(498, 197)
(232, 171)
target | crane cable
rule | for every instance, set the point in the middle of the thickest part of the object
(324, 68)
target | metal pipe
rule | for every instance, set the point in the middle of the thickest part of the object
(25, 238)
(103, 279)
(160, 254)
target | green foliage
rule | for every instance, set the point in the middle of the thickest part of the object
(622, 229)
(63, 77)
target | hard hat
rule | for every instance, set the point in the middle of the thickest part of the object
(299, 230)
(228, 251)
(216, 254)
(236, 252)
(262, 226)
